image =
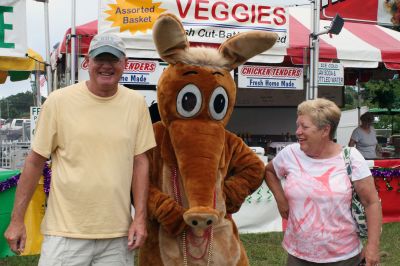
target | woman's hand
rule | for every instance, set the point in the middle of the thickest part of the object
(371, 254)
(283, 207)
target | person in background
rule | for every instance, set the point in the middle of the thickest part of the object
(95, 167)
(317, 194)
(364, 137)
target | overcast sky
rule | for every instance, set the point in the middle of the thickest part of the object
(60, 20)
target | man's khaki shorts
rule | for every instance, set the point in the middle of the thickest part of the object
(57, 251)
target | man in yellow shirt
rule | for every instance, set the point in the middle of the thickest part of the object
(96, 133)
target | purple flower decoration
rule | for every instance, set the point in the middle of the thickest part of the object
(385, 172)
(9, 183)
(13, 181)
(46, 178)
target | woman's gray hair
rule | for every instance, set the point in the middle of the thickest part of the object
(323, 112)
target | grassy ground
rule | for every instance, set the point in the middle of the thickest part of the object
(265, 249)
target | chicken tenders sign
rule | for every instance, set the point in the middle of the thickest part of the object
(269, 77)
(138, 72)
(205, 21)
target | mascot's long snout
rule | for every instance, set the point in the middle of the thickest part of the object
(198, 148)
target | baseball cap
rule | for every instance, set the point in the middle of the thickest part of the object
(107, 43)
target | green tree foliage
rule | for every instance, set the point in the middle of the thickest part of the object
(17, 106)
(350, 97)
(384, 94)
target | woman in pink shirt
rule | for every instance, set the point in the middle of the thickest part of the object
(317, 192)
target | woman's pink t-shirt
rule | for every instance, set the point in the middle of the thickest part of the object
(320, 226)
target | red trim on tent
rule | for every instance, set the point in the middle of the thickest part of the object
(298, 42)
(85, 33)
(393, 66)
(353, 9)
(389, 46)
(390, 163)
(299, 39)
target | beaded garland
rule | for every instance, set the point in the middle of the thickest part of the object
(9, 183)
(13, 181)
(385, 172)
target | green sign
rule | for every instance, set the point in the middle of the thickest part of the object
(4, 26)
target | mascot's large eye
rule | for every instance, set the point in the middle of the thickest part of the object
(189, 100)
(218, 103)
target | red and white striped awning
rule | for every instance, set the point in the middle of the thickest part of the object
(358, 45)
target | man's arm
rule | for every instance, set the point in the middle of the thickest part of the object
(140, 188)
(16, 233)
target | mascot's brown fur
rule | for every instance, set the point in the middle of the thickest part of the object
(200, 172)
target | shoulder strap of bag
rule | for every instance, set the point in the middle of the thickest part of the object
(347, 161)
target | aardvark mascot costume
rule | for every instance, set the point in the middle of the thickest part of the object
(200, 173)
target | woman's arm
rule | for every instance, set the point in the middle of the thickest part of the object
(352, 143)
(368, 195)
(275, 186)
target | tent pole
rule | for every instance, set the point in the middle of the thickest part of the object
(37, 82)
(314, 56)
(392, 123)
(358, 100)
(306, 69)
(73, 40)
(67, 62)
(47, 36)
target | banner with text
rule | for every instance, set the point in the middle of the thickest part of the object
(139, 72)
(13, 36)
(270, 77)
(211, 21)
(330, 74)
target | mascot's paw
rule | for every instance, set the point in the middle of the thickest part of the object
(166, 211)
(235, 196)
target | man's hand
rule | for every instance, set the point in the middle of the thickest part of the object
(30, 175)
(16, 236)
(137, 234)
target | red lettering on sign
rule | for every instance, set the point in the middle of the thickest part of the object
(140, 66)
(224, 13)
(264, 12)
(183, 13)
(85, 64)
(280, 18)
(235, 12)
(240, 12)
(198, 9)
(270, 71)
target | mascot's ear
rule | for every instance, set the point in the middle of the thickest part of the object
(243, 46)
(170, 38)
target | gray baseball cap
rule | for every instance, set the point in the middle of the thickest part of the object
(107, 43)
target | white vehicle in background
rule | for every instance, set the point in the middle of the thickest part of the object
(16, 124)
